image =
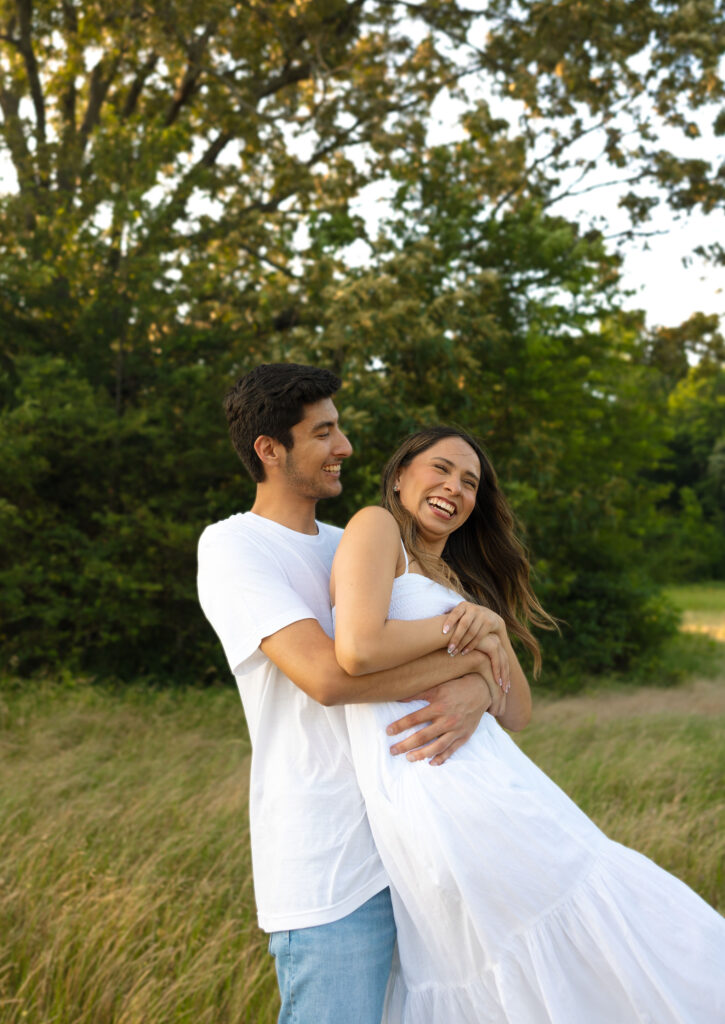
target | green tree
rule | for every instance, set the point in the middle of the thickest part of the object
(184, 183)
(511, 327)
(165, 158)
(689, 541)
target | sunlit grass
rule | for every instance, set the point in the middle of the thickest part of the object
(703, 607)
(699, 598)
(125, 879)
(647, 766)
(126, 892)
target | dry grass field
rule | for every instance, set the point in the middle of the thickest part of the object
(125, 889)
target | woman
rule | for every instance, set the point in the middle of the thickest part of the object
(511, 905)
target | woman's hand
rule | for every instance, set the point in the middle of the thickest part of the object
(492, 646)
(474, 626)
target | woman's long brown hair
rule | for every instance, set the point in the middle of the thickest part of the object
(483, 560)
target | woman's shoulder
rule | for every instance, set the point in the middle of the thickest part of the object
(374, 517)
(369, 545)
(373, 533)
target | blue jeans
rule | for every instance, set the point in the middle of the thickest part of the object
(336, 973)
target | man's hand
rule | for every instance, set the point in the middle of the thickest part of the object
(451, 717)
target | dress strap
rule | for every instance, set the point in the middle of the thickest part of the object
(405, 556)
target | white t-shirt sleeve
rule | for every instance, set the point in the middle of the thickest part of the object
(244, 594)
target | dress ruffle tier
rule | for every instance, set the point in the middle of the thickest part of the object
(511, 906)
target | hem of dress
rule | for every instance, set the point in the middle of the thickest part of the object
(310, 918)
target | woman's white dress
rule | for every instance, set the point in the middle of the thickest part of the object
(510, 904)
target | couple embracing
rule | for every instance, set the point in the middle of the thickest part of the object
(373, 819)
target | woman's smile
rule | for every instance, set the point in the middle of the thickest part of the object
(442, 507)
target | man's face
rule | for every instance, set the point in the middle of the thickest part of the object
(312, 466)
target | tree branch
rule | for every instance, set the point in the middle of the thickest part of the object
(214, 149)
(24, 8)
(15, 139)
(290, 76)
(547, 157)
(569, 193)
(68, 99)
(630, 233)
(132, 98)
(267, 259)
(98, 90)
(187, 86)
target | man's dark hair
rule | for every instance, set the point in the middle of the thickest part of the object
(270, 400)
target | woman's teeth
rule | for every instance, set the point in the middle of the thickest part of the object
(443, 506)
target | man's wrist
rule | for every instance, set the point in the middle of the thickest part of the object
(473, 661)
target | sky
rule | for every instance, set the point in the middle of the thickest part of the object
(661, 273)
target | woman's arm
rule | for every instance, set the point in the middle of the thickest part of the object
(516, 713)
(361, 585)
(482, 625)
(367, 641)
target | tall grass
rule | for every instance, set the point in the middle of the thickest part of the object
(647, 766)
(126, 891)
(125, 877)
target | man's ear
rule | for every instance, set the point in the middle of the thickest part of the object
(268, 451)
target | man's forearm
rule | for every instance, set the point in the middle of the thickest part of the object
(306, 655)
(406, 680)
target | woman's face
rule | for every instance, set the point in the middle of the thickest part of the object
(438, 487)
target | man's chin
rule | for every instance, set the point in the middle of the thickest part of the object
(330, 490)
(333, 487)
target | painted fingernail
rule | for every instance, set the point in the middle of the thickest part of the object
(390, 731)
(411, 757)
(500, 682)
(394, 751)
(451, 649)
(446, 629)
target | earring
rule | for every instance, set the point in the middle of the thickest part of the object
(396, 488)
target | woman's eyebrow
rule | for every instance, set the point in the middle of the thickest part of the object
(466, 472)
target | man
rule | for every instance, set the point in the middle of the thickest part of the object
(263, 584)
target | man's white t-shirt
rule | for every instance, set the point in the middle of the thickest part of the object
(313, 856)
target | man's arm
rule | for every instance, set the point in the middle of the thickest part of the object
(306, 655)
(514, 713)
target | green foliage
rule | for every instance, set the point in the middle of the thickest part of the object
(692, 547)
(617, 620)
(100, 526)
(513, 333)
(689, 541)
